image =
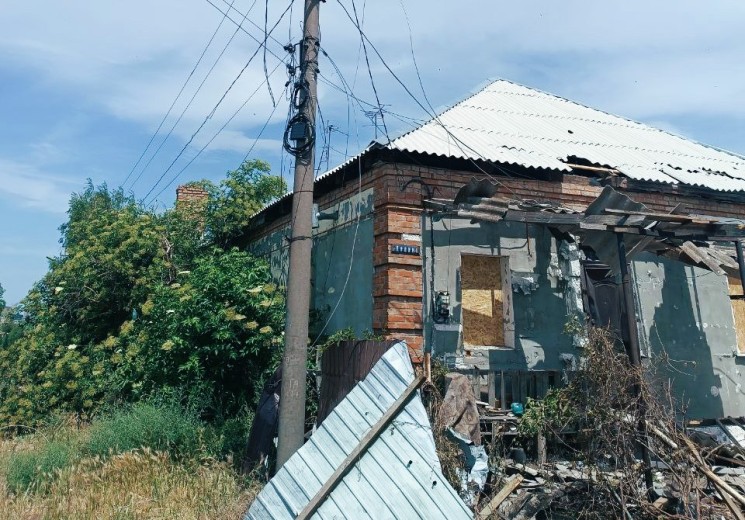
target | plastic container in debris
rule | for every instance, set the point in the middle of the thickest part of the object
(518, 409)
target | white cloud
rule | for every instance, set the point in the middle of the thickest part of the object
(237, 141)
(27, 186)
(646, 60)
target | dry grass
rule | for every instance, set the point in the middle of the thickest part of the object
(134, 485)
(452, 461)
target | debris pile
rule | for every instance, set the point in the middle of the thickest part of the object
(617, 450)
(603, 446)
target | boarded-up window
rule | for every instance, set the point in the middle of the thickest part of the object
(486, 303)
(738, 309)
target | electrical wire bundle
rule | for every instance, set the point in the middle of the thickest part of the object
(299, 135)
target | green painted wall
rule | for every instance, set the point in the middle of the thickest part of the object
(688, 333)
(342, 264)
(545, 291)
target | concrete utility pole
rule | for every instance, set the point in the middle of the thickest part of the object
(301, 132)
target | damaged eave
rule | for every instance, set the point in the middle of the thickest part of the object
(684, 237)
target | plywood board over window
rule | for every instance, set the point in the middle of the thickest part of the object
(737, 298)
(486, 303)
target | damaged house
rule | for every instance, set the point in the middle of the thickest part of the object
(483, 237)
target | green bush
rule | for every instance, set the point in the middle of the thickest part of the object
(161, 427)
(216, 334)
(227, 439)
(34, 470)
(141, 301)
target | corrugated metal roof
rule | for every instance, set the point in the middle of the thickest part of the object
(399, 476)
(513, 124)
(509, 123)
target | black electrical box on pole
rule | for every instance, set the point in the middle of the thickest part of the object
(299, 140)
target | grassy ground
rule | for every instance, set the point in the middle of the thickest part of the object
(60, 474)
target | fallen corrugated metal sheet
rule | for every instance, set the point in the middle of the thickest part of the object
(399, 476)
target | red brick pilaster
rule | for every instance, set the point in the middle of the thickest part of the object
(397, 282)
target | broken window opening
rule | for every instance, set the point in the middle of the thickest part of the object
(486, 301)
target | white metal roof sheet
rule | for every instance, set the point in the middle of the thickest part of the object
(509, 123)
(398, 477)
(513, 124)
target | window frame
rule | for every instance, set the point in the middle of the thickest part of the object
(738, 294)
(508, 317)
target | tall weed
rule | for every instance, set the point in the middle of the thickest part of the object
(35, 470)
(160, 427)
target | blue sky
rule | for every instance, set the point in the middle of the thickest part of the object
(85, 85)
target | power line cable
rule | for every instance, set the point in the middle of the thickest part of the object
(191, 100)
(217, 105)
(369, 71)
(434, 116)
(178, 96)
(257, 26)
(348, 89)
(350, 255)
(266, 73)
(220, 131)
(261, 132)
(361, 102)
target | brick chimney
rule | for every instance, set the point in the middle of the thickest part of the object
(191, 195)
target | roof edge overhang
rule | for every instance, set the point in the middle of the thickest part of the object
(376, 153)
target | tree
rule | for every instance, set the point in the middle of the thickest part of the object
(235, 200)
(114, 251)
(113, 256)
(216, 332)
(2, 301)
(139, 302)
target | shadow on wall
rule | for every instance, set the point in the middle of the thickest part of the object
(687, 328)
(540, 315)
(539, 309)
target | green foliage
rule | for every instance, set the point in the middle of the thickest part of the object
(156, 424)
(11, 327)
(141, 302)
(237, 198)
(113, 255)
(2, 301)
(159, 426)
(34, 470)
(553, 412)
(216, 332)
(347, 334)
(227, 439)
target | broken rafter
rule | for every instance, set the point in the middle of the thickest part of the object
(698, 461)
(667, 217)
(494, 503)
(593, 168)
